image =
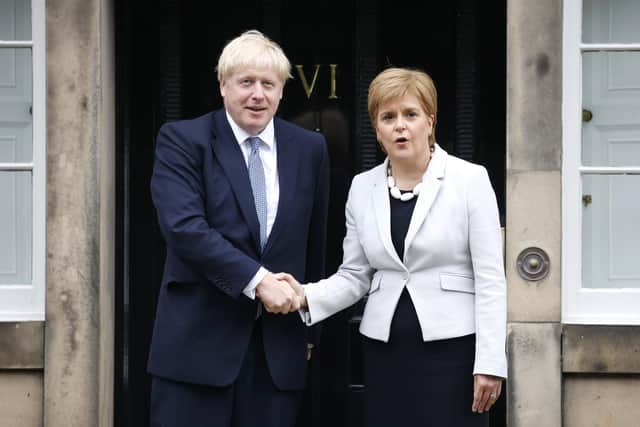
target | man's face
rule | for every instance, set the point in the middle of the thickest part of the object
(251, 96)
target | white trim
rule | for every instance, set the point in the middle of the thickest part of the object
(27, 302)
(571, 142)
(21, 316)
(609, 170)
(617, 307)
(38, 18)
(16, 43)
(584, 305)
(610, 47)
(16, 167)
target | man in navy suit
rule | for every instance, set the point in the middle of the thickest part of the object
(240, 195)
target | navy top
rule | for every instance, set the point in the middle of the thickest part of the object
(400, 218)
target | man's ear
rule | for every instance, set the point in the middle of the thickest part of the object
(222, 89)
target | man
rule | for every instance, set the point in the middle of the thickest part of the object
(240, 195)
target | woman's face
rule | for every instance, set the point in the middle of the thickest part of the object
(403, 128)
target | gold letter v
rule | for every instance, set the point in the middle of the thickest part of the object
(305, 84)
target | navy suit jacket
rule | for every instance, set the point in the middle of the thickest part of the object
(202, 193)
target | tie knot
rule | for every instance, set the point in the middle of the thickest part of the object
(254, 142)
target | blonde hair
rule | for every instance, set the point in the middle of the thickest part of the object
(252, 49)
(397, 82)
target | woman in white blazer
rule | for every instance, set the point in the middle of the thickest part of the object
(423, 242)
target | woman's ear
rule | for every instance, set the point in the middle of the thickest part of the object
(432, 123)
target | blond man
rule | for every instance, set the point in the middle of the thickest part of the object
(240, 194)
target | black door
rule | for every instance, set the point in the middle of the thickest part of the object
(166, 56)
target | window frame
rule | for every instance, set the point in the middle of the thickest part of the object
(580, 305)
(26, 302)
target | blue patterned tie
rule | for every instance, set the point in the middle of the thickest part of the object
(256, 176)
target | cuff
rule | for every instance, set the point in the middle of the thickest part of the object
(305, 315)
(250, 289)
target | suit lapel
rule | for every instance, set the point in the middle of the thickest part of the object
(382, 209)
(430, 188)
(232, 161)
(287, 173)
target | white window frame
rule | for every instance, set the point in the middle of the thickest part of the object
(25, 302)
(584, 305)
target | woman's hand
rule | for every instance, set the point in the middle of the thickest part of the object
(295, 285)
(486, 390)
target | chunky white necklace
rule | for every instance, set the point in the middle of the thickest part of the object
(395, 191)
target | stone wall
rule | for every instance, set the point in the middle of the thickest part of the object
(534, 147)
(80, 214)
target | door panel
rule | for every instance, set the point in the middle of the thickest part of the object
(15, 145)
(611, 137)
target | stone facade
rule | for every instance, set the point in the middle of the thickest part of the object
(534, 147)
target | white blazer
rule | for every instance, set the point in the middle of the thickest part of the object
(452, 266)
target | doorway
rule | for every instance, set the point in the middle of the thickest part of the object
(166, 56)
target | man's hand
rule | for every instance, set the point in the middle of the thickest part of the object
(295, 286)
(276, 295)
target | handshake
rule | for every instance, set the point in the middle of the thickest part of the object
(281, 293)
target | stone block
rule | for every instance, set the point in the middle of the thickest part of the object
(21, 345)
(534, 85)
(601, 349)
(21, 398)
(534, 391)
(534, 219)
(601, 401)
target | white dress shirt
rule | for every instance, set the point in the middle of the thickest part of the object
(269, 158)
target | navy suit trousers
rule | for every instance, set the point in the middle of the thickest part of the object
(251, 401)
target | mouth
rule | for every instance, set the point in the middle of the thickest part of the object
(255, 109)
(401, 140)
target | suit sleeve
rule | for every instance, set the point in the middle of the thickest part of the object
(179, 197)
(485, 243)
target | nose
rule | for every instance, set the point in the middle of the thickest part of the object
(258, 91)
(400, 126)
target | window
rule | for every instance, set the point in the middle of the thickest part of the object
(601, 162)
(22, 160)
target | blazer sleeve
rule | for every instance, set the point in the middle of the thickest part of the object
(179, 198)
(352, 280)
(485, 243)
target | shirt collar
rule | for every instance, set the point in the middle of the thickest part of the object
(267, 135)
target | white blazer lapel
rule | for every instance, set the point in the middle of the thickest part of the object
(382, 210)
(430, 187)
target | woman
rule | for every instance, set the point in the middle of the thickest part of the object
(423, 241)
